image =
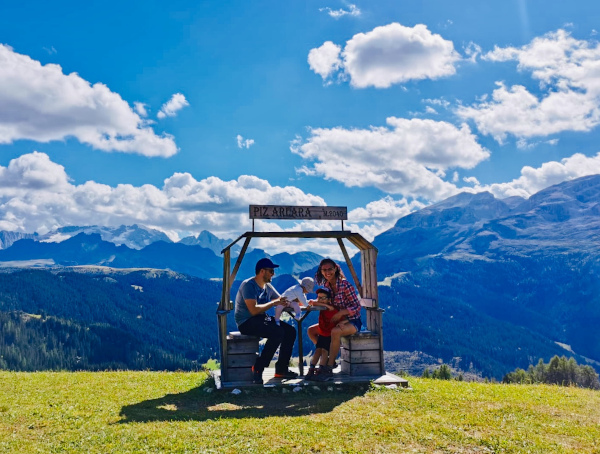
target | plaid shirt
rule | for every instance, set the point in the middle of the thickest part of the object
(346, 298)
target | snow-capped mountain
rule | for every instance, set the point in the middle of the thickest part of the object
(210, 241)
(562, 218)
(133, 236)
(8, 238)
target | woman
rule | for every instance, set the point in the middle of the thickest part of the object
(345, 299)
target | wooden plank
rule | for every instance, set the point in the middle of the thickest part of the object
(242, 347)
(241, 360)
(353, 343)
(291, 212)
(361, 356)
(311, 234)
(350, 266)
(360, 369)
(239, 374)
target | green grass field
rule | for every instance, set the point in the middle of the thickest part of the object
(161, 412)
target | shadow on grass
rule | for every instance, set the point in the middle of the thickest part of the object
(198, 405)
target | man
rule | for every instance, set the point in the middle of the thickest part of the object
(254, 298)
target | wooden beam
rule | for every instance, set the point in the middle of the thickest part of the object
(239, 261)
(329, 234)
(233, 242)
(349, 263)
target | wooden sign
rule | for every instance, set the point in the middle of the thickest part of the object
(298, 212)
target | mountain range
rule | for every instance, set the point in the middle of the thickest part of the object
(89, 248)
(530, 265)
(490, 284)
(133, 236)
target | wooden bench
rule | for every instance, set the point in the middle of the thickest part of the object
(242, 352)
(362, 353)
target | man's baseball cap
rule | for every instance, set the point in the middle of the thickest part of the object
(264, 263)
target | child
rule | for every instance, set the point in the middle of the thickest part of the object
(295, 296)
(325, 326)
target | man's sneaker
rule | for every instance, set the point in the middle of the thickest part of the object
(286, 374)
(257, 376)
(325, 373)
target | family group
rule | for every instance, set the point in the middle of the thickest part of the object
(339, 316)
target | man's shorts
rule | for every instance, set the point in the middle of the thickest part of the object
(324, 342)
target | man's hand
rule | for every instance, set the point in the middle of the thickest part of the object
(281, 301)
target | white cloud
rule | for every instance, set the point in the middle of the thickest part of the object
(244, 143)
(568, 71)
(36, 195)
(140, 108)
(437, 102)
(39, 102)
(472, 51)
(325, 60)
(471, 180)
(391, 54)
(336, 14)
(408, 157)
(533, 180)
(172, 106)
(386, 211)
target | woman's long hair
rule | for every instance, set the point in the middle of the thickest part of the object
(320, 279)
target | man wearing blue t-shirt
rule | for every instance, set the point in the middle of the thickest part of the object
(254, 298)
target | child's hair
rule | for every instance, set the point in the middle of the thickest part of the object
(325, 291)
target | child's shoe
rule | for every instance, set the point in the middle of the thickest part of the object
(311, 374)
(325, 373)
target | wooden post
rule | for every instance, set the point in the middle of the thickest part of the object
(374, 314)
(224, 309)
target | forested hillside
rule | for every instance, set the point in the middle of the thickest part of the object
(35, 342)
(93, 319)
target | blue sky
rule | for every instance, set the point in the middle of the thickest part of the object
(177, 115)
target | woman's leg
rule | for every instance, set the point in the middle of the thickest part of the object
(341, 330)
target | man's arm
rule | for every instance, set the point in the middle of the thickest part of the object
(256, 309)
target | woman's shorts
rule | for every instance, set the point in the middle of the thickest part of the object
(323, 342)
(357, 324)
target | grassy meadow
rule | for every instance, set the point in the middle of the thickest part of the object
(164, 412)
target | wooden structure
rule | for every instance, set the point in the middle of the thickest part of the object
(361, 354)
